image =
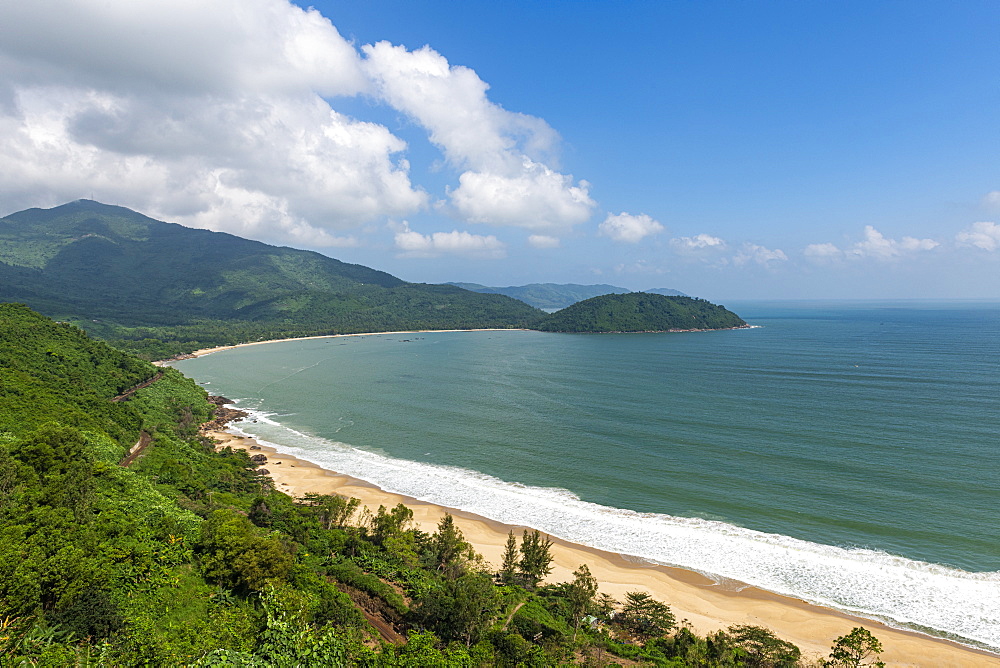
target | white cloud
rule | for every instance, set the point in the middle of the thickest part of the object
(209, 114)
(984, 235)
(628, 228)
(752, 253)
(543, 241)
(414, 244)
(877, 246)
(537, 198)
(697, 242)
(223, 115)
(824, 251)
(992, 200)
(509, 176)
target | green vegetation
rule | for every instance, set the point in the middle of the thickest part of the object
(189, 557)
(640, 312)
(552, 296)
(160, 289)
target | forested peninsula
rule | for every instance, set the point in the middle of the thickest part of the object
(640, 312)
(127, 539)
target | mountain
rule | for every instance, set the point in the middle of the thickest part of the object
(554, 296)
(122, 275)
(640, 312)
(667, 292)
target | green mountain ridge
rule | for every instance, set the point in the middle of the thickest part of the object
(127, 277)
(555, 296)
(160, 289)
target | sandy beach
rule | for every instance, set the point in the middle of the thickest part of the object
(704, 603)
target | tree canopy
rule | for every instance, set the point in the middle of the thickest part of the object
(640, 312)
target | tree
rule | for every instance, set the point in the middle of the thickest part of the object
(536, 558)
(761, 648)
(604, 606)
(580, 594)
(644, 617)
(334, 511)
(858, 646)
(508, 568)
(385, 524)
(237, 555)
(460, 609)
(450, 551)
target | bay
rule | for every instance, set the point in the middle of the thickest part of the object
(829, 453)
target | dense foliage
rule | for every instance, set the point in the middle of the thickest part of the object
(553, 296)
(188, 556)
(162, 288)
(640, 312)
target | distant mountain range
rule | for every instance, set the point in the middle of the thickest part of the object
(555, 296)
(160, 288)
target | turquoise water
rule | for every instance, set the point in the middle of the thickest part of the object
(842, 453)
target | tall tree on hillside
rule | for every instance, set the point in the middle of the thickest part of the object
(580, 593)
(450, 551)
(855, 648)
(509, 565)
(536, 558)
(643, 616)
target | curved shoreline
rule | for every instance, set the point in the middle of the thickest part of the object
(208, 351)
(708, 605)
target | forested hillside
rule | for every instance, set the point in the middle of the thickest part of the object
(161, 288)
(553, 296)
(188, 556)
(640, 312)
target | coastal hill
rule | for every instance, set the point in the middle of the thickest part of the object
(555, 296)
(161, 288)
(640, 312)
(125, 534)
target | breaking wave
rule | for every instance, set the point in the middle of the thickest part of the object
(950, 602)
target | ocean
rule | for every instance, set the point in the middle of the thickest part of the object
(842, 453)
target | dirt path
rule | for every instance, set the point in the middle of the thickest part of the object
(140, 446)
(132, 390)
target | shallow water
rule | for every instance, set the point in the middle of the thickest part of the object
(842, 453)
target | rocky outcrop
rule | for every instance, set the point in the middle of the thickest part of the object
(222, 415)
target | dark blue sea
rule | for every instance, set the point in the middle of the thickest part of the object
(847, 454)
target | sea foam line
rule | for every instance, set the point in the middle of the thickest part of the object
(962, 605)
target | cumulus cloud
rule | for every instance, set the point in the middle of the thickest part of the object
(629, 228)
(697, 242)
(538, 198)
(992, 200)
(414, 244)
(877, 246)
(874, 245)
(509, 175)
(824, 251)
(754, 254)
(982, 235)
(210, 114)
(223, 115)
(543, 241)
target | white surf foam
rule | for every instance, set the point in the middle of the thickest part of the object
(962, 605)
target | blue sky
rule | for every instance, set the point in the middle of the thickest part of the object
(728, 150)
